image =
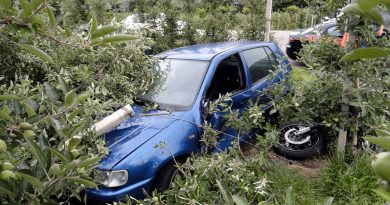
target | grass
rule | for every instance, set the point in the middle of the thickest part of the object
(348, 183)
(302, 77)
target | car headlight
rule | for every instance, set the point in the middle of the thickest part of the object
(112, 178)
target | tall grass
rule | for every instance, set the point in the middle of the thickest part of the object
(348, 183)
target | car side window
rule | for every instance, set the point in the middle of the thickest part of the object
(272, 57)
(334, 32)
(258, 63)
(228, 78)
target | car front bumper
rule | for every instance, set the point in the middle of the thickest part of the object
(105, 195)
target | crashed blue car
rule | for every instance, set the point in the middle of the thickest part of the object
(192, 77)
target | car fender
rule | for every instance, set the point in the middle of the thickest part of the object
(179, 139)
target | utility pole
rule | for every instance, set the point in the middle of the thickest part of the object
(268, 19)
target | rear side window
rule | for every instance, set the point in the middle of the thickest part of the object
(272, 57)
(258, 63)
(334, 32)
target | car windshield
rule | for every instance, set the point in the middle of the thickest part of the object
(178, 83)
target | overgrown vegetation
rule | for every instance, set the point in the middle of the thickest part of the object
(54, 85)
(55, 82)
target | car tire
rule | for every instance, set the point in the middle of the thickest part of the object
(165, 177)
(316, 148)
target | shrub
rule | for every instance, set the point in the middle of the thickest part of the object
(55, 85)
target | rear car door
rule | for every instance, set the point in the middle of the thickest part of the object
(261, 62)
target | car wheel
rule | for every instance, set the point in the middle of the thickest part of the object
(311, 144)
(166, 176)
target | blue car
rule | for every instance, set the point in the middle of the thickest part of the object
(191, 78)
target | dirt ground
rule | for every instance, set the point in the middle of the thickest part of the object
(308, 168)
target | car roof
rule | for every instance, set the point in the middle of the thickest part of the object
(207, 51)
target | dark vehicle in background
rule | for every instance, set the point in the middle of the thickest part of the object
(326, 29)
(297, 39)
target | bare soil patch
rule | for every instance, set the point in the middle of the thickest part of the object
(308, 168)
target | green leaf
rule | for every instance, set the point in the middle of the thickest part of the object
(35, 4)
(63, 85)
(55, 188)
(383, 194)
(373, 13)
(366, 5)
(225, 194)
(387, 4)
(59, 155)
(118, 38)
(55, 170)
(5, 4)
(364, 53)
(37, 52)
(83, 97)
(103, 31)
(68, 32)
(52, 18)
(328, 201)
(29, 109)
(353, 9)
(4, 115)
(85, 182)
(71, 165)
(239, 200)
(89, 161)
(26, 6)
(31, 180)
(383, 142)
(51, 92)
(56, 124)
(70, 97)
(74, 114)
(382, 133)
(8, 97)
(96, 41)
(290, 196)
(7, 191)
(94, 24)
(36, 152)
(73, 143)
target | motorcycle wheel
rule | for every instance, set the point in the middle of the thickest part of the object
(305, 146)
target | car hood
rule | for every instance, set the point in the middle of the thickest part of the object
(134, 132)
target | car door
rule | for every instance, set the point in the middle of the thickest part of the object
(230, 77)
(261, 62)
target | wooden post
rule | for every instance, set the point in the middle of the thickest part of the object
(312, 20)
(347, 84)
(268, 19)
(306, 19)
(343, 133)
(355, 133)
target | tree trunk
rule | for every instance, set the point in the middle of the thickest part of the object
(268, 18)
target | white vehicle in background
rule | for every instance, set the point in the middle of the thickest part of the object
(133, 22)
